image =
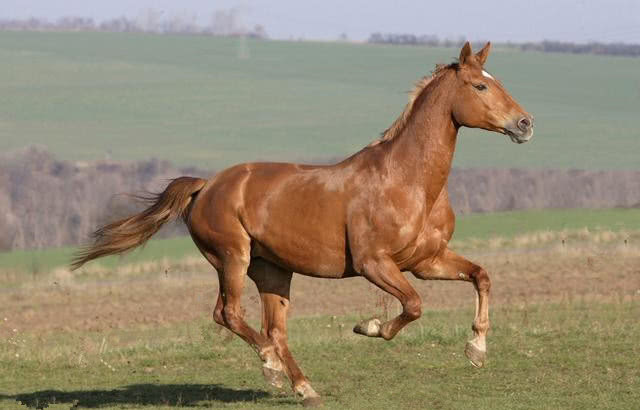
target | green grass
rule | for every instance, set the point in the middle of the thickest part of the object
(43, 260)
(475, 226)
(563, 356)
(509, 224)
(192, 100)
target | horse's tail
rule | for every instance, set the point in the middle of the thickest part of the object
(129, 233)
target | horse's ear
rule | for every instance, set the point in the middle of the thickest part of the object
(465, 53)
(482, 55)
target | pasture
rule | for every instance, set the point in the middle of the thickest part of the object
(137, 332)
(564, 332)
(213, 102)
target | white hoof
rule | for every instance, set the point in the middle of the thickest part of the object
(475, 354)
(274, 377)
(369, 328)
(309, 396)
(272, 368)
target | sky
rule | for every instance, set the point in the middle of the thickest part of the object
(495, 20)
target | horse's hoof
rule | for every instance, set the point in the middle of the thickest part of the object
(369, 327)
(312, 402)
(273, 377)
(476, 356)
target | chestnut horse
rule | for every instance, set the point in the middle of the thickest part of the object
(380, 212)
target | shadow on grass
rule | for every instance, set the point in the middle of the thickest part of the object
(189, 395)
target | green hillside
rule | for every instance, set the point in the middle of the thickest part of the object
(212, 102)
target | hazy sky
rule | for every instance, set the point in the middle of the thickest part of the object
(497, 20)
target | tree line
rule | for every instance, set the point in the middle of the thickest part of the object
(228, 23)
(546, 46)
(221, 23)
(46, 202)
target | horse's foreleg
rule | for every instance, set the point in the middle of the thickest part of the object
(274, 283)
(451, 266)
(384, 273)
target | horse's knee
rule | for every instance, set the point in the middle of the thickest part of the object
(482, 281)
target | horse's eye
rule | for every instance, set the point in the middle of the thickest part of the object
(480, 87)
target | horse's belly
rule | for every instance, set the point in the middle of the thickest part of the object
(303, 255)
(299, 227)
(307, 238)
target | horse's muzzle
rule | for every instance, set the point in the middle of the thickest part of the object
(521, 131)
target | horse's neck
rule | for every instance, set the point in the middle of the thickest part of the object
(423, 151)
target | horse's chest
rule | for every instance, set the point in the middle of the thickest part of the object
(399, 221)
(434, 233)
(426, 244)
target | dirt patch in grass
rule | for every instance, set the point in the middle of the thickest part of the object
(185, 294)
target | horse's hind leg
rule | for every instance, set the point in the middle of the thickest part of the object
(274, 283)
(228, 311)
(272, 368)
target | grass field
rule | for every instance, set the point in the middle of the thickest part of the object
(474, 229)
(136, 332)
(572, 356)
(508, 224)
(202, 101)
(562, 338)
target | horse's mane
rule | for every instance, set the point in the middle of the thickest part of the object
(400, 123)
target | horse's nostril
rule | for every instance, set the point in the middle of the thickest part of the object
(524, 124)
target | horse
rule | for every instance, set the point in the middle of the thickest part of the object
(383, 211)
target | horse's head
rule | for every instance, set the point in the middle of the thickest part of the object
(482, 102)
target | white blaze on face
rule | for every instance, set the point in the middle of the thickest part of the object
(484, 73)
